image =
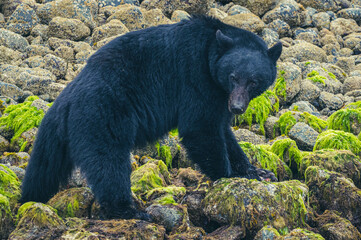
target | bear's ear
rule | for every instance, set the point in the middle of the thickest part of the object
(223, 41)
(275, 52)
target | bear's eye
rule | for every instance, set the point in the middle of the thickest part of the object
(254, 83)
(232, 78)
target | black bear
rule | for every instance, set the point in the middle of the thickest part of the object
(193, 75)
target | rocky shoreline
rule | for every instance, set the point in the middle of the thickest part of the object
(306, 128)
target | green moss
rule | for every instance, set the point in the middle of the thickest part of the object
(287, 151)
(9, 184)
(23, 145)
(266, 159)
(334, 139)
(354, 105)
(280, 86)
(315, 77)
(166, 155)
(307, 63)
(259, 110)
(153, 174)
(343, 119)
(22, 117)
(5, 210)
(316, 123)
(286, 122)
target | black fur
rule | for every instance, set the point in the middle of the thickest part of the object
(137, 88)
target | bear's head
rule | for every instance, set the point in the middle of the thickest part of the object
(245, 71)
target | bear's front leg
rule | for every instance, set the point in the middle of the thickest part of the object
(241, 167)
(207, 148)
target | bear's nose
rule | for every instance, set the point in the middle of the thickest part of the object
(237, 109)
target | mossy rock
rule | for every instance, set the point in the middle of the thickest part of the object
(36, 220)
(347, 120)
(300, 233)
(332, 226)
(21, 117)
(251, 204)
(165, 195)
(268, 232)
(334, 139)
(259, 109)
(73, 202)
(9, 185)
(332, 191)
(15, 158)
(287, 150)
(341, 161)
(6, 218)
(262, 157)
(354, 105)
(153, 174)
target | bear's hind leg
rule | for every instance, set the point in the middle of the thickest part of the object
(108, 174)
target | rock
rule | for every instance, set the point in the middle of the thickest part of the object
(9, 56)
(258, 7)
(299, 233)
(237, 9)
(34, 62)
(307, 35)
(169, 6)
(104, 3)
(304, 52)
(112, 229)
(40, 105)
(15, 159)
(247, 21)
(73, 202)
(34, 50)
(131, 16)
(304, 106)
(270, 37)
(10, 186)
(40, 30)
(112, 28)
(350, 13)
(281, 27)
(309, 92)
(155, 17)
(332, 191)
(332, 226)
(351, 84)
(321, 20)
(322, 6)
(267, 232)
(66, 53)
(55, 65)
(244, 135)
(13, 40)
(4, 145)
(341, 161)
(179, 15)
(22, 20)
(342, 26)
(292, 77)
(83, 10)
(346, 63)
(172, 217)
(271, 127)
(352, 42)
(11, 91)
(330, 101)
(6, 221)
(66, 28)
(35, 80)
(255, 202)
(189, 177)
(216, 13)
(226, 233)
(304, 135)
(286, 10)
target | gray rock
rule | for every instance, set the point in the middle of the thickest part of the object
(114, 3)
(248, 21)
(64, 52)
(321, 20)
(292, 76)
(308, 35)
(83, 10)
(237, 9)
(82, 57)
(258, 7)
(40, 105)
(304, 106)
(321, 5)
(112, 28)
(270, 127)
(11, 91)
(179, 15)
(37, 50)
(56, 65)
(170, 216)
(304, 135)
(330, 101)
(346, 63)
(270, 37)
(351, 13)
(9, 56)
(288, 11)
(244, 135)
(13, 40)
(15, 159)
(35, 61)
(351, 84)
(22, 20)
(281, 27)
(66, 28)
(353, 42)
(40, 30)
(4, 145)
(342, 26)
(304, 52)
(309, 92)
(216, 13)
(19, 172)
